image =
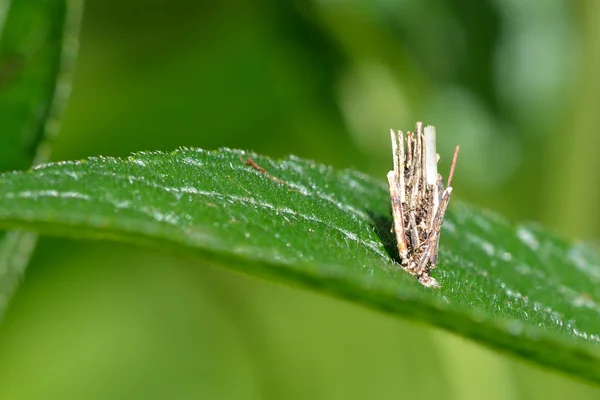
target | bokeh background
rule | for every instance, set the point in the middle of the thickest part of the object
(515, 82)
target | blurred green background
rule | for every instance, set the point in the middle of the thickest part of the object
(515, 82)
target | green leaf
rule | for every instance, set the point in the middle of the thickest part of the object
(38, 45)
(515, 288)
(38, 42)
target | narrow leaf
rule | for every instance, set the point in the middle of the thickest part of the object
(515, 288)
(38, 42)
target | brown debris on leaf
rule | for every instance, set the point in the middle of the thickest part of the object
(419, 200)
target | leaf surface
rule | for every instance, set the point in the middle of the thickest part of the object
(515, 288)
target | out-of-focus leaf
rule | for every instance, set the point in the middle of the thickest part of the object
(38, 42)
(515, 288)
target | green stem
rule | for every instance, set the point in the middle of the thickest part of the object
(574, 192)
